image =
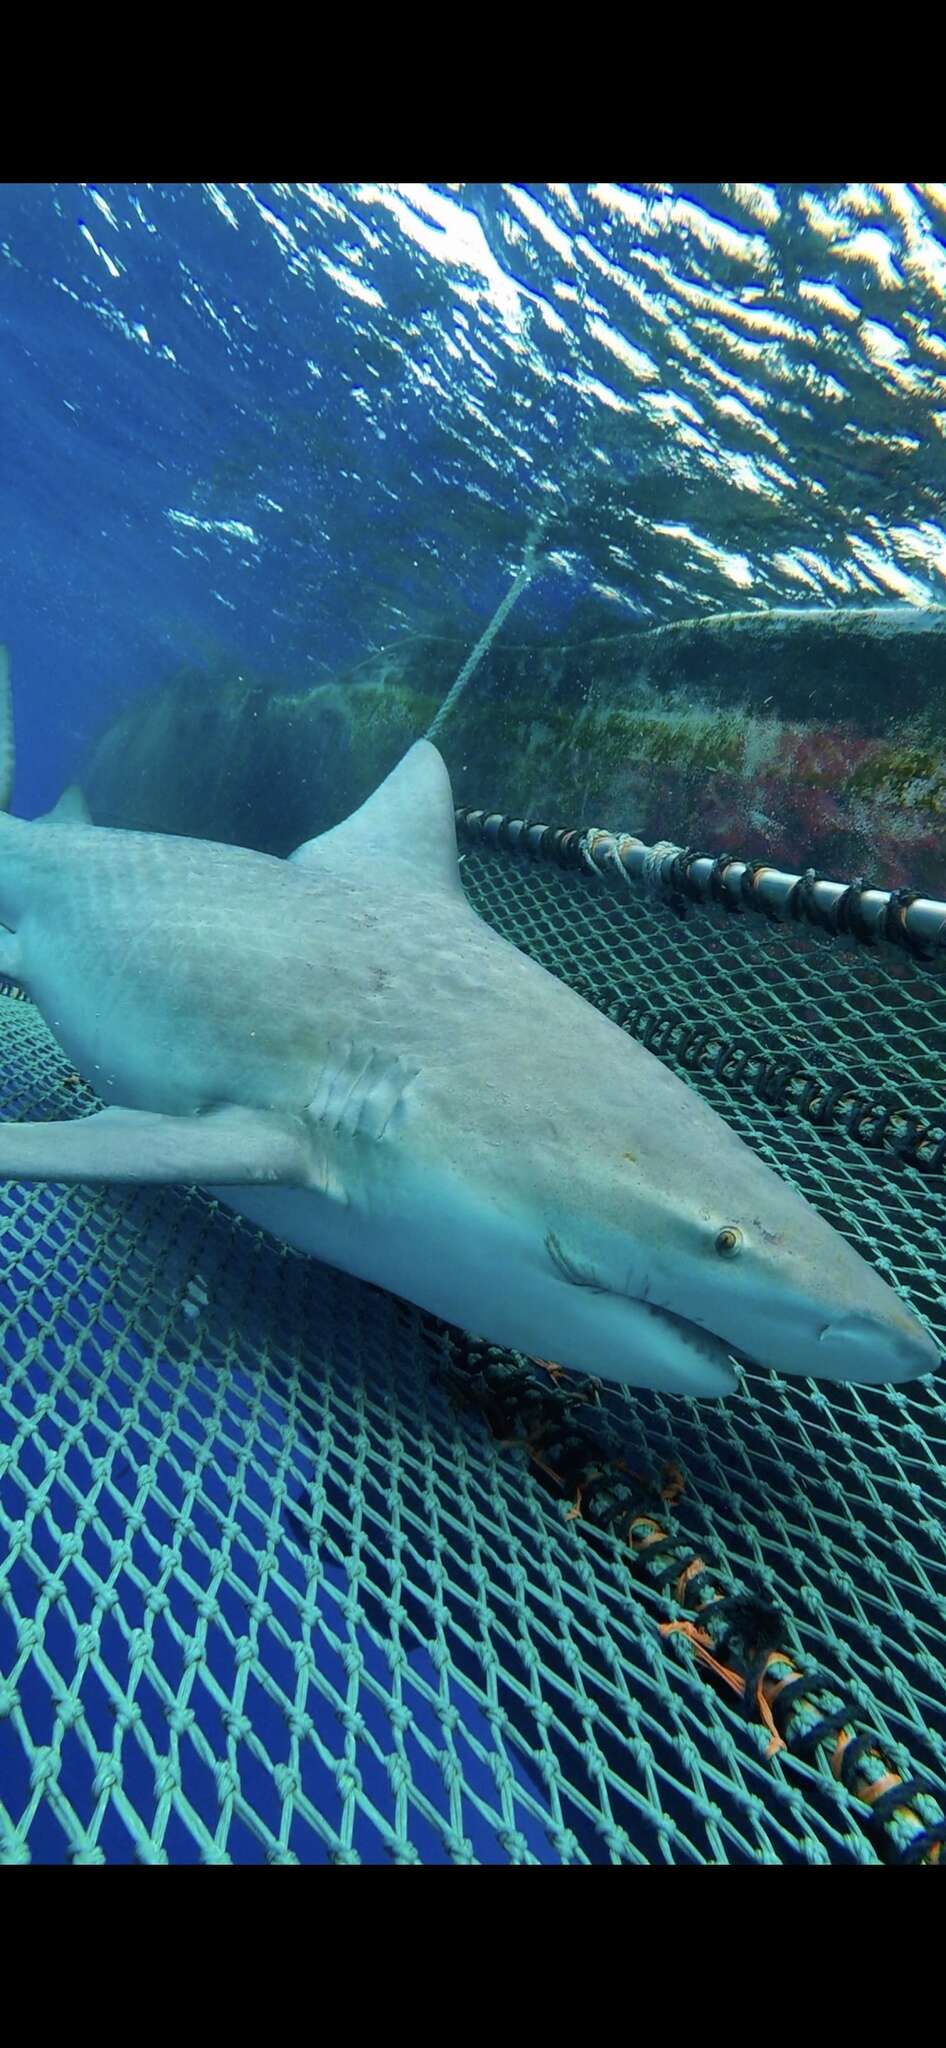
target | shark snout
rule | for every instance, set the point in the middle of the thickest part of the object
(837, 1320)
(874, 1349)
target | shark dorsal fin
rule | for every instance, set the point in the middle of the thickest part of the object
(71, 809)
(408, 820)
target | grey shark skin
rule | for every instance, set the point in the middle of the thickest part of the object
(343, 1051)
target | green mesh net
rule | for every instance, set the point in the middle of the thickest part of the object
(273, 1587)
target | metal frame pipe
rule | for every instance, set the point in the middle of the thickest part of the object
(902, 917)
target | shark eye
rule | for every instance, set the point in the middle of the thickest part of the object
(728, 1241)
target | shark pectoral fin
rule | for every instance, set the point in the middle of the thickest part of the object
(229, 1146)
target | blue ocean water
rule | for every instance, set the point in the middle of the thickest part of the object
(281, 426)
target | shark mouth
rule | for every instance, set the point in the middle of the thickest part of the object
(687, 1351)
(646, 1345)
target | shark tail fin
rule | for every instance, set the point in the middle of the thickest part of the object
(7, 750)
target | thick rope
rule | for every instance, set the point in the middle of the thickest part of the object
(485, 641)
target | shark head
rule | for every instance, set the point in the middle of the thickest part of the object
(673, 1253)
(341, 1049)
(629, 1233)
(571, 1197)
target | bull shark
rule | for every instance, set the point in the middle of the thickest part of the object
(339, 1048)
